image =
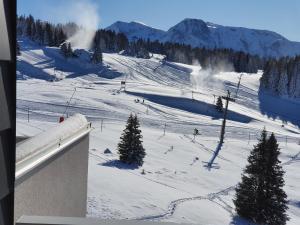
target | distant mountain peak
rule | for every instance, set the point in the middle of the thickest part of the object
(195, 26)
(198, 33)
(135, 29)
(139, 22)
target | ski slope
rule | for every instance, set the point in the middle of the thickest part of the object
(177, 186)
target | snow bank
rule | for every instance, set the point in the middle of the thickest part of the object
(54, 135)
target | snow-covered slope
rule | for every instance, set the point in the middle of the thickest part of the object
(198, 33)
(176, 185)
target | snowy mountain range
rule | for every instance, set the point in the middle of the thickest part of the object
(199, 33)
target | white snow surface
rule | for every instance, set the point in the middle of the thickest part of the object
(176, 185)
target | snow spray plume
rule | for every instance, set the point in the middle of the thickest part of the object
(205, 77)
(84, 14)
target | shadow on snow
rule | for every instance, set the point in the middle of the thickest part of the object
(118, 164)
(276, 107)
(52, 58)
(193, 106)
(236, 220)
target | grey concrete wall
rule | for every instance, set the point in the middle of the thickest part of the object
(58, 187)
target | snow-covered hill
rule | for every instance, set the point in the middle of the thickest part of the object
(136, 30)
(198, 33)
(176, 185)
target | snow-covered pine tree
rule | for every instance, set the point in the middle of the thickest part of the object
(70, 50)
(219, 104)
(121, 42)
(246, 198)
(130, 148)
(264, 80)
(39, 35)
(48, 35)
(282, 87)
(29, 22)
(259, 196)
(294, 71)
(274, 77)
(97, 56)
(282, 76)
(275, 206)
(64, 49)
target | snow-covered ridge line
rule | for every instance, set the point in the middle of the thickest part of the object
(198, 33)
(36, 150)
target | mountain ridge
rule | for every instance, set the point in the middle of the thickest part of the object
(198, 33)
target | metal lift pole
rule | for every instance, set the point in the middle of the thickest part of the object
(227, 98)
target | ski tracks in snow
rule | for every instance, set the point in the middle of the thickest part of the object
(175, 203)
(213, 197)
(292, 160)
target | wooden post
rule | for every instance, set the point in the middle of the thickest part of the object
(238, 85)
(165, 129)
(249, 138)
(101, 124)
(227, 98)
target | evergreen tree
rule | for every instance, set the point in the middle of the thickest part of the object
(247, 192)
(97, 56)
(259, 196)
(61, 36)
(130, 147)
(48, 34)
(276, 202)
(29, 22)
(18, 49)
(70, 50)
(64, 49)
(219, 104)
(121, 42)
(281, 76)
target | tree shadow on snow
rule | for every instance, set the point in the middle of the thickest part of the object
(31, 71)
(236, 220)
(276, 107)
(294, 203)
(193, 106)
(120, 165)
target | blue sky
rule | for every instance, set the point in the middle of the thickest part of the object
(282, 16)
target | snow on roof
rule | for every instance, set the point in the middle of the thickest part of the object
(54, 135)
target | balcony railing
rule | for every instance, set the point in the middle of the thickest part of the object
(38, 220)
